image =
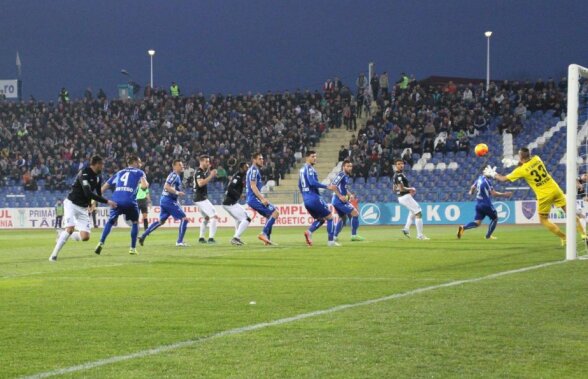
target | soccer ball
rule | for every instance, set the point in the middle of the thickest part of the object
(481, 149)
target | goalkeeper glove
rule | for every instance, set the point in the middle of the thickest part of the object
(490, 172)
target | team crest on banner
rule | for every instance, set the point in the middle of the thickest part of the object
(529, 209)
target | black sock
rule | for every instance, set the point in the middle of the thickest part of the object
(145, 224)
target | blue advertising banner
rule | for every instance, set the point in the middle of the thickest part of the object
(433, 213)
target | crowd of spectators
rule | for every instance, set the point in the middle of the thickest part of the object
(51, 141)
(421, 117)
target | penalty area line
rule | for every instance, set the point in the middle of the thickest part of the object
(179, 345)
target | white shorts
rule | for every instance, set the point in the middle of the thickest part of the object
(76, 216)
(206, 208)
(409, 202)
(236, 211)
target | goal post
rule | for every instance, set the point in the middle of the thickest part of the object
(575, 72)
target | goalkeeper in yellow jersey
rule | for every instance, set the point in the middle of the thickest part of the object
(532, 169)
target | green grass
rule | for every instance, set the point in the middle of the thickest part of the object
(86, 307)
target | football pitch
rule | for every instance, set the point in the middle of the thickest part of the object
(386, 307)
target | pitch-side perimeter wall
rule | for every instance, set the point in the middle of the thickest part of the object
(509, 212)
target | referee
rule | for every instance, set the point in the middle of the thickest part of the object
(143, 200)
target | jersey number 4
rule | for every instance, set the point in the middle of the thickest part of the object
(124, 178)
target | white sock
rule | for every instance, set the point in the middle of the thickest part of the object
(63, 237)
(203, 228)
(419, 226)
(409, 221)
(237, 223)
(212, 230)
(242, 226)
(76, 236)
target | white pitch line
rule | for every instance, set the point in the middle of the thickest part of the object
(60, 271)
(263, 325)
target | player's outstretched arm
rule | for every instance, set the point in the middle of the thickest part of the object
(312, 182)
(506, 194)
(490, 172)
(89, 194)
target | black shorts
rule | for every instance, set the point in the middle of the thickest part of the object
(142, 205)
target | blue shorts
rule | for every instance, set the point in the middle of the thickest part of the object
(483, 210)
(343, 209)
(170, 208)
(317, 207)
(130, 211)
(264, 210)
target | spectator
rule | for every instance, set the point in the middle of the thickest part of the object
(221, 175)
(174, 90)
(521, 111)
(384, 84)
(28, 182)
(361, 83)
(64, 95)
(468, 94)
(343, 154)
(403, 82)
(88, 94)
(375, 84)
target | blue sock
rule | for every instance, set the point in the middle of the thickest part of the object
(354, 225)
(152, 227)
(267, 229)
(134, 234)
(491, 227)
(315, 225)
(471, 225)
(183, 227)
(339, 227)
(330, 228)
(106, 230)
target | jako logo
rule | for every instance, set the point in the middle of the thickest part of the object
(503, 211)
(370, 213)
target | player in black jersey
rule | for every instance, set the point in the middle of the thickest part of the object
(405, 195)
(202, 177)
(231, 204)
(86, 187)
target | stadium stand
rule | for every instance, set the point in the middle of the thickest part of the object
(432, 124)
(43, 145)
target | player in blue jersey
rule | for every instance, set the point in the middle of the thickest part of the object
(172, 189)
(258, 202)
(309, 186)
(484, 207)
(125, 185)
(341, 202)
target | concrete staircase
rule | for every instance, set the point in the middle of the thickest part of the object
(327, 154)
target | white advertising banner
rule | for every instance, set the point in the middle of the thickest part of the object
(526, 212)
(10, 88)
(40, 218)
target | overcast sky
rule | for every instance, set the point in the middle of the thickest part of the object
(232, 46)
